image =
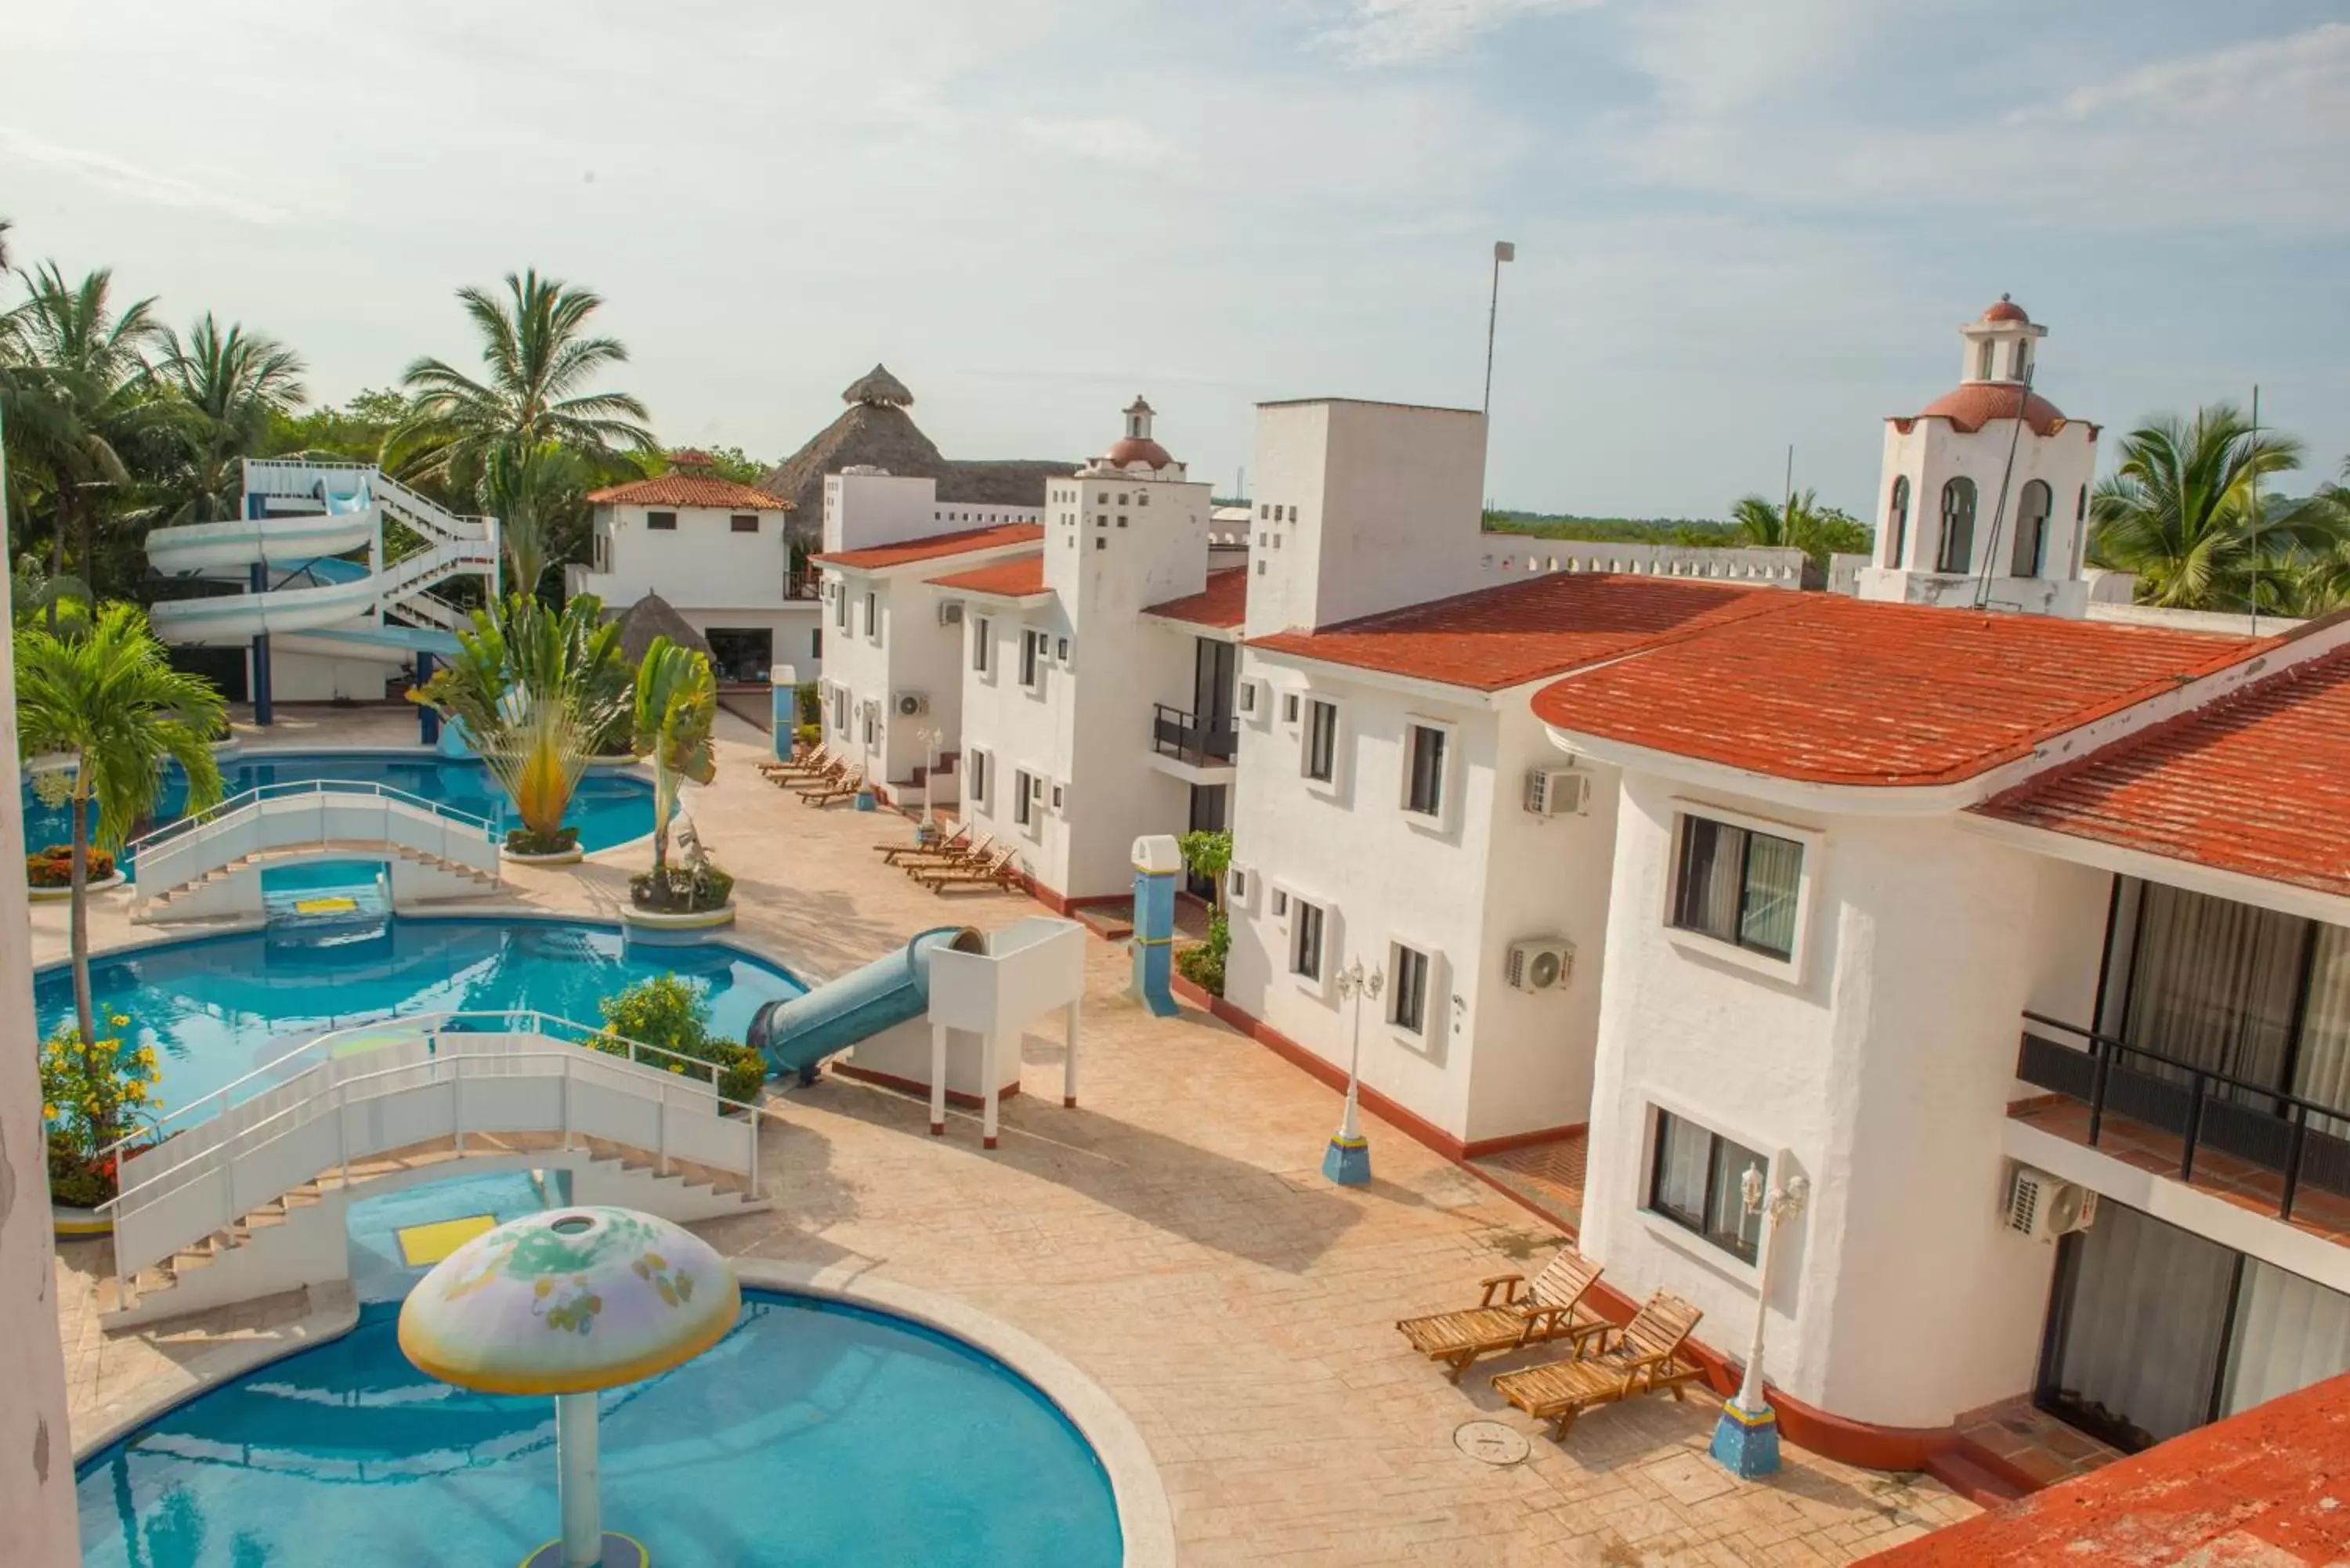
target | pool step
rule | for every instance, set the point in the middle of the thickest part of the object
(154, 907)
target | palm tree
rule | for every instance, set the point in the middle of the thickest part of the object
(522, 486)
(1798, 523)
(535, 687)
(112, 701)
(83, 394)
(62, 603)
(230, 383)
(540, 365)
(2180, 510)
(2323, 583)
(677, 706)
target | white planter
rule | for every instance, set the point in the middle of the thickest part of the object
(571, 856)
(61, 895)
(70, 1224)
(668, 920)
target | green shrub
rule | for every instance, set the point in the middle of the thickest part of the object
(1202, 963)
(523, 841)
(673, 1015)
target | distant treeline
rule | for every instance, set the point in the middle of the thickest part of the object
(1701, 531)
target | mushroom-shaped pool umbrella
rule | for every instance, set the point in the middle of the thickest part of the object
(567, 1302)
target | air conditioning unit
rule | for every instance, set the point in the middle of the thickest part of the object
(1541, 963)
(909, 704)
(951, 612)
(2043, 1206)
(1557, 792)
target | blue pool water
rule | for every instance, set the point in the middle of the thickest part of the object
(815, 1434)
(215, 1008)
(611, 807)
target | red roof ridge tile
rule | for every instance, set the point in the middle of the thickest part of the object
(1222, 603)
(1018, 577)
(933, 546)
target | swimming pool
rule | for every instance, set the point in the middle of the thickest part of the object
(816, 1433)
(215, 1008)
(611, 807)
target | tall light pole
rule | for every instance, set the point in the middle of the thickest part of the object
(1347, 1160)
(1746, 1438)
(1503, 250)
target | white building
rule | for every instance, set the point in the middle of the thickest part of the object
(1985, 496)
(1905, 902)
(717, 551)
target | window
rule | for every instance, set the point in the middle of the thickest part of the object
(979, 630)
(2023, 358)
(1424, 782)
(1958, 526)
(1695, 1183)
(1896, 523)
(1027, 791)
(1061, 649)
(873, 616)
(872, 722)
(1982, 361)
(1293, 514)
(840, 605)
(840, 710)
(1100, 543)
(2081, 505)
(1121, 519)
(1032, 658)
(1407, 1003)
(1289, 707)
(1236, 886)
(815, 643)
(744, 522)
(979, 778)
(1280, 904)
(661, 522)
(1305, 940)
(1739, 886)
(2031, 529)
(1321, 741)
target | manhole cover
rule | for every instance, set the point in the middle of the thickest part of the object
(1491, 1441)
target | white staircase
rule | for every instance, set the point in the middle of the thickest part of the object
(455, 545)
(247, 1198)
(211, 865)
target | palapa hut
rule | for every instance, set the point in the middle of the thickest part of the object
(651, 616)
(876, 431)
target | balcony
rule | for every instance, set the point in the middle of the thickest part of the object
(2253, 1146)
(1186, 738)
(804, 584)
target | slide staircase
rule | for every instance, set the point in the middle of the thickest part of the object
(242, 1193)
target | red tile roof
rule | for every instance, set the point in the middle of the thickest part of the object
(1506, 636)
(678, 488)
(1017, 578)
(1838, 692)
(933, 546)
(2258, 782)
(1222, 603)
(1974, 404)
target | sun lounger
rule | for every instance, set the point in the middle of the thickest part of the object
(792, 775)
(1642, 1357)
(1550, 1308)
(847, 786)
(996, 869)
(968, 852)
(953, 846)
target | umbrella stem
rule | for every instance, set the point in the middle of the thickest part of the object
(575, 1447)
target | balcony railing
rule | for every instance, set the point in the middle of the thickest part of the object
(804, 583)
(2266, 1141)
(1186, 737)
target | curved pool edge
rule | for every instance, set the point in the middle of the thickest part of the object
(1146, 1519)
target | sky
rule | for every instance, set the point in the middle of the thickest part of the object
(1741, 224)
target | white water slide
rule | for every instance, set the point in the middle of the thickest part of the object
(315, 517)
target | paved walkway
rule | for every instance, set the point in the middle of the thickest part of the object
(1172, 1237)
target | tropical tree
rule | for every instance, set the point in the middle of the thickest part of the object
(535, 687)
(541, 363)
(231, 385)
(677, 707)
(82, 395)
(112, 702)
(2323, 526)
(62, 603)
(2181, 512)
(523, 487)
(1799, 523)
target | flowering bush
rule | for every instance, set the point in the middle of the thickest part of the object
(673, 1014)
(92, 1096)
(53, 866)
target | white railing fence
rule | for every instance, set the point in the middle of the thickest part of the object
(470, 1073)
(304, 814)
(300, 478)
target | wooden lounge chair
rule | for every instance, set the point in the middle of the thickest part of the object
(1641, 1357)
(939, 858)
(1551, 1308)
(797, 762)
(846, 787)
(798, 774)
(996, 869)
(952, 846)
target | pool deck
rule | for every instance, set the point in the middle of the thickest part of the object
(1171, 1236)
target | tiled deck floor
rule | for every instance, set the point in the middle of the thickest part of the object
(2222, 1175)
(1547, 1175)
(1172, 1237)
(2036, 1442)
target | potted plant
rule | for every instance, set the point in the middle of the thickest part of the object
(48, 873)
(1208, 854)
(676, 707)
(93, 1096)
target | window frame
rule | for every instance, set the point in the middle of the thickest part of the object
(1437, 817)
(979, 767)
(1673, 1223)
(1896, 508)
(1035, 649)
(1401, 957)
(1811, 844)
(1308, 915)
(1949, 517)
(2039, 526)
(873, 616)
(661, 522)
(1029, 801)
(1330, 783)
(735, 521)
(981, 662)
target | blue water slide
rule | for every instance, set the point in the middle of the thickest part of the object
(796, 1034)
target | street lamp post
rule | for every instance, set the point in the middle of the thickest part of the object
(1503, 250)
(1347, 1160)
(1746, 1438)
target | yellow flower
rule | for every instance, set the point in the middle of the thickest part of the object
(48, 1112)
(119, 1020)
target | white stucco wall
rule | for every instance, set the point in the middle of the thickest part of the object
(701, 563)
(1020, 728)
(907, 650)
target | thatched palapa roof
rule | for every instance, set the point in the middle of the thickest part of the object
(651, 616)
(876, 431)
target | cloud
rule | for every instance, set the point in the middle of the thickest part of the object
(134, 180)
(2281, 78)
(1107, 140)
(1407, 31)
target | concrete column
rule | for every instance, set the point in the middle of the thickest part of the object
(995, 1087)
(938, 1080)
(37, 1480)
(428, 722)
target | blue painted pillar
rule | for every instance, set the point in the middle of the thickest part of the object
(1156, 862)
(783, 708)
(428, 722)
(265, 711)
(1746, 1446)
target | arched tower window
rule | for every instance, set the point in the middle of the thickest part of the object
(1896, 522)
(2032, 512)
(1958, 553)
(2022, 357)
(2081, 506)
(1982, 361)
